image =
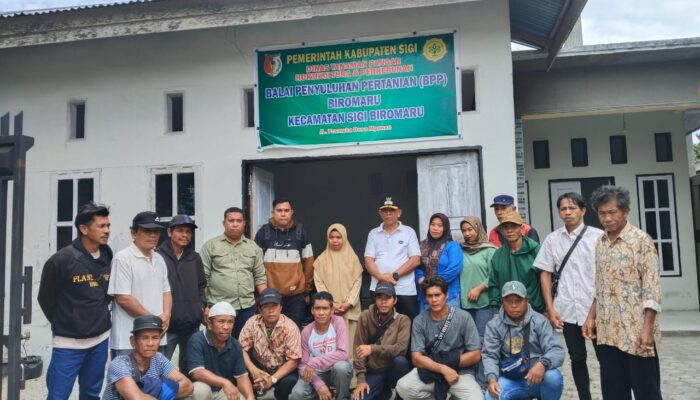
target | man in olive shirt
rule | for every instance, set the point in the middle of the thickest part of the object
(233, 265)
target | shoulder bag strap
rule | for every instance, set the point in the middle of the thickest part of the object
(443, 330)
(571, 250)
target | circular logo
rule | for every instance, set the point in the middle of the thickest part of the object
(272, 64)
(434, 49)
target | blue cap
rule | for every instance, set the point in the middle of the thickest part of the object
(502, 200)
(182, 219)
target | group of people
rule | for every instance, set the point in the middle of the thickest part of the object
(473, 319)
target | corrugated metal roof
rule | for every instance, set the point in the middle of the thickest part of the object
(538, 17)
(12, 14)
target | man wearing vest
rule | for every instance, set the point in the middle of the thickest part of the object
(381, 342)
(288, 259)
(502, 205)
(73, 297)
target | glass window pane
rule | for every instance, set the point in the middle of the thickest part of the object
(667, 256)
(665, 222)
(662, 191)
(650, 220)
(85, 191)
(164, 195)
(649, 201)
(65, 200)
(185, 193)
(64, 236)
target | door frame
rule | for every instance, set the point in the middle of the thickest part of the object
(247, 164)
(549, 190)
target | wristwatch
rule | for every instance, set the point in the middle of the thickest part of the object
(273, 379)
(396, 276)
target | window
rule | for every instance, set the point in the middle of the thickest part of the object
(175, 112)
(249, 104)
(657, 214)
(173, 193)
(540, 149)
(664, 152)
(468, 91)
(77, 119)
(71, 191)
(5, 124)
(579, 152)
(618, 149)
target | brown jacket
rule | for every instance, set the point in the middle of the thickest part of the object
(393, 343)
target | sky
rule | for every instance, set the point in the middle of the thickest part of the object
(604, 21)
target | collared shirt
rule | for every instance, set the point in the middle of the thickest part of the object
(626, 283)
(134, 274)
(390, 250)
(577, 281)
(227, 363)
(233, 271)
(284, 343)
(122, 367)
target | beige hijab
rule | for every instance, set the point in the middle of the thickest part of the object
(482, 239)
(340, 273)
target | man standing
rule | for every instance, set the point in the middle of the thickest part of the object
(76, 278)
(392, 254)
(139, 283)
(569, 252)
(271, 347)
(502, 205)
(445, 349)
(513, 262)
(234, 269)
(381, 342)
(144, 373)
(522, 353)
(324, 354)
(289, 259)
(215, 359)
(627, 298)
(187, 285)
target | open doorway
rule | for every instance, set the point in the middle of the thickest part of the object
(348, 190)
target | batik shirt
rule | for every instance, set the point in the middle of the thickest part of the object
(271, 352)
(626, 283)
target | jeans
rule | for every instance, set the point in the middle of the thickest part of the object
(384, 382)
(338, 377)
(88, 365)
(242, 316)
(576, 345)
(621, 372)
(481, 317)
(294, 307)
(176, 339)
(550, 388)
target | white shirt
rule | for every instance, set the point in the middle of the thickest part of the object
(577, 281)
(133, 273)
(390, 251)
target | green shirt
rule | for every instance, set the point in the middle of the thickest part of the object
(475, 271)
(232, 271)
(507, 265)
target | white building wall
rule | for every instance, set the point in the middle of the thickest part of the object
(679, 293)
(124, 82)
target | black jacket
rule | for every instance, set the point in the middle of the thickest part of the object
(187, 284)
(73, 292)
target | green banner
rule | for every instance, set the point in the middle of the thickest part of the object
(358, 92)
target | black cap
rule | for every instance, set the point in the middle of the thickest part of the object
(270, 295)
(146, 219)
(182, 219)
(389, 203)
(147, 322)
(385, 288)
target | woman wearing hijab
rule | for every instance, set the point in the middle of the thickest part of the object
(338, 271)
(441, 256)
(474, 278)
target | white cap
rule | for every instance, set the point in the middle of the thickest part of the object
(221, 308)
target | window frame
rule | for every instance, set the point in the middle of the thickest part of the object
(672, 208)
(95, 175)
(174, 170)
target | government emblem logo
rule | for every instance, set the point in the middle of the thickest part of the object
(272, 65)
(434, 49)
